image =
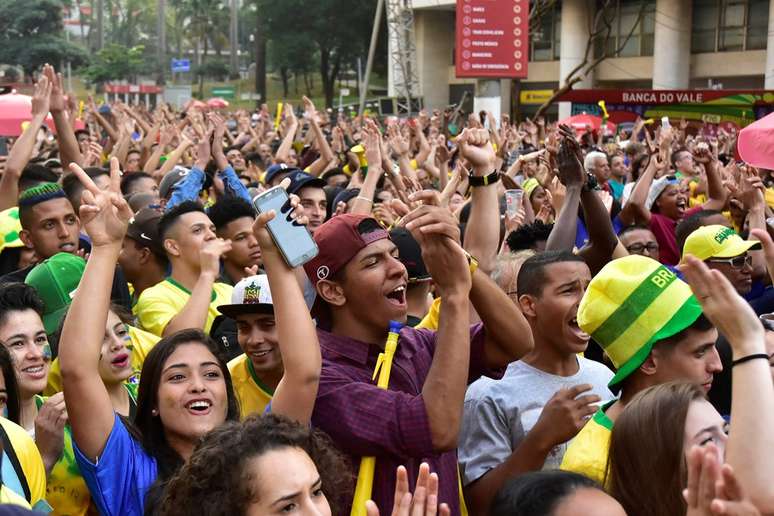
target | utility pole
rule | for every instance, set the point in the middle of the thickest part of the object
(162, 41)
(234, 37)
(371, 50)
(260, 60)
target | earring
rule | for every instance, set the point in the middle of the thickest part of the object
(155, 412)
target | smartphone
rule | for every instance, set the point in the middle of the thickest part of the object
(293, 240)
(665, 122)
(3, 146)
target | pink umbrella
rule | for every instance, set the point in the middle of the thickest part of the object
(16, 109)
(581, 122)
(755, 142)
(217, 103)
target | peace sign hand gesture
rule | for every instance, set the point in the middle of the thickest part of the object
(104, 214)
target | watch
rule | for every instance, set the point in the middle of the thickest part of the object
(486, 180)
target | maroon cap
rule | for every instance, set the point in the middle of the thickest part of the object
(339, 240)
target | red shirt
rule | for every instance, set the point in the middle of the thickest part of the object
(664, 230)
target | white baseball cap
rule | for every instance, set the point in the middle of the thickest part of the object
(250, 295)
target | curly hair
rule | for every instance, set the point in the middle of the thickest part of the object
(216, 479)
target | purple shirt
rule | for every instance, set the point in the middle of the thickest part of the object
(390, 424)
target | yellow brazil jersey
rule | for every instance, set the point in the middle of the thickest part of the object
(28, 459)
(160, 303)
(430, 322)
(587, 453)
(142, 343)
(252, 394)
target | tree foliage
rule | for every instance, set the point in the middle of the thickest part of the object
(31, 34)
(337, 31)
(116, 62)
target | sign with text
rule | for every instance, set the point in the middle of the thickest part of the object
(181, 65)
(492, 38)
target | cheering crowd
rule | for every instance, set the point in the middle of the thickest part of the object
(586, 318)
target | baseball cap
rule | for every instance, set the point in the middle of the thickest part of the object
(274, 170)
(632, 303)
(10, 228)
(300, 179)
(56, 280)
(657, 187)
(250, 295)
(339, 240)
(144, 229)
(170, 180)
(410, 254)
(717, 241)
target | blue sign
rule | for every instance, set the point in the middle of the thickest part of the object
(181, 65)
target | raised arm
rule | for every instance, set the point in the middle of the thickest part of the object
(752, 429)
(573, 177)
(365, 200)
(21, 151)
(715, 189)
(283, 152)
(635, 211)
(295, 395)
(482, 233)
(69, 152)
(326, 153)
(104, 215)
(102, 121)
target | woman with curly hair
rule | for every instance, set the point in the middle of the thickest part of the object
(235, 470)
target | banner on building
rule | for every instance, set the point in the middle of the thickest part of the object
(492, 38)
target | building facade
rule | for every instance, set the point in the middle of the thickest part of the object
(654, 44)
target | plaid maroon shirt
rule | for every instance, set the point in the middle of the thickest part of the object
(390, 424)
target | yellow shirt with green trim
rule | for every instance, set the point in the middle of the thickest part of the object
(587, 453)
(253, 395)
(141, 344)
(430, 322)
(29, 459)
(160, 303)
(66, 491)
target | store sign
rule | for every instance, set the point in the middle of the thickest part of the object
(535, 96)
(651, 97)
(492, 38)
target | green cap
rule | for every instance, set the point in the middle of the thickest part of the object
(56, 280)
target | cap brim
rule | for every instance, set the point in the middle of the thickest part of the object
(738, 248)
(51, 321)
(315, 182)
(237, 310)
(685, 316)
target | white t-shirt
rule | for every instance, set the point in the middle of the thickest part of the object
(498, 414)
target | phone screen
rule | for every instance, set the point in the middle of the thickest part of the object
(293, 240)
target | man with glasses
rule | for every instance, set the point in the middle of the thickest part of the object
(722, 249)
(640, 240)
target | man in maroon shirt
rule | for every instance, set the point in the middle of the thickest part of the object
(360, 286)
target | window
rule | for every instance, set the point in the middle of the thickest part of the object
(544, 42)
(729, 25)
(633, 25)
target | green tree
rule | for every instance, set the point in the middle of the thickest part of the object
(336, 30)
(116, 62)
(31, 34)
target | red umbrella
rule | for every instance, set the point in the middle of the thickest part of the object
(14, 110)
(581, 122)
(217, 103)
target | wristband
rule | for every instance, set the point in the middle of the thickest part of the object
(754, 356)
(364, 198)
(487, 180)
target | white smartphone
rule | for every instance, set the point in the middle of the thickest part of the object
(293, 240)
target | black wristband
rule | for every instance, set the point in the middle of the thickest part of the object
(754, 356)
(489, 179)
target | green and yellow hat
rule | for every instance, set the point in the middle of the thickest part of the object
(632, 303)
(10, 226)
(529, 186)
(717, 241)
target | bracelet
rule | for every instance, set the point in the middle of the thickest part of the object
(364, 198)
(754, 356)
(487, 180)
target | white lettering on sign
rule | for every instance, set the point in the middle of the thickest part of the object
(482, 54)
(484, 43)
(479, 20)
(478, 9)
(666, 97)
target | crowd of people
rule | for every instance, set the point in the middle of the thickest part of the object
(584, 319)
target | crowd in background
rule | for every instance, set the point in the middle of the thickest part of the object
(585, 316)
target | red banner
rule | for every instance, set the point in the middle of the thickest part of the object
(492, 38)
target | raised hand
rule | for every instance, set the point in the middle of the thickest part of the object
(424, 502)
(372, 142)
(310, 112)
(713, 490)
(571, 172)
(56, 98)
(41, 98)
(268, 247)
(104, 214)
(475, 147)
(398, 143)
(49, 429)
